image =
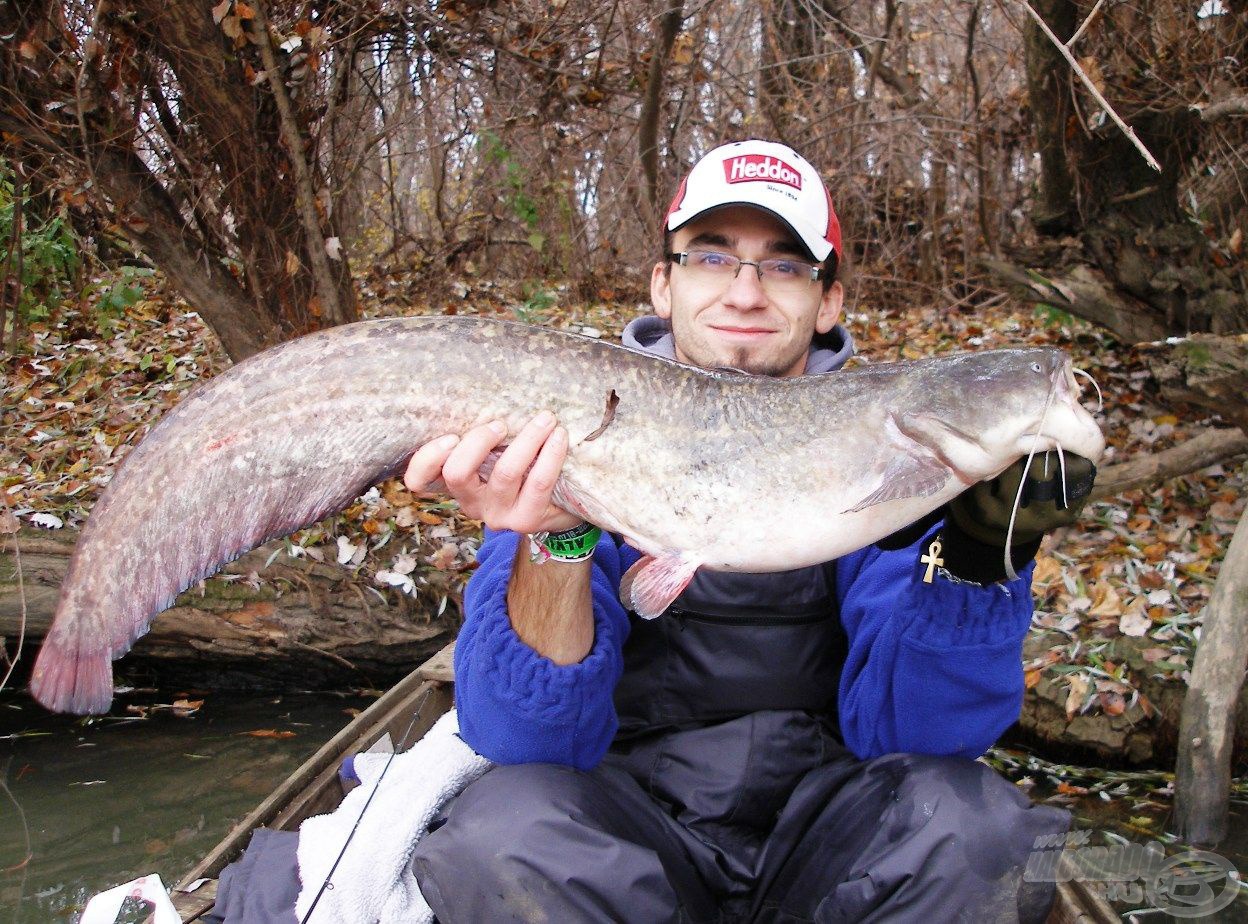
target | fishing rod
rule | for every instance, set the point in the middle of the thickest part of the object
(328, 884)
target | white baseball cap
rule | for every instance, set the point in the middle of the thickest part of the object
(766, 175)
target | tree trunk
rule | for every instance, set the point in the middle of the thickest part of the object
(1202, 782)
(150, 110)
(1145, 267)
(1048, 88)
(294, 622)
(652, 103)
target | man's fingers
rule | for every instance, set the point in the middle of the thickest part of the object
(534, 497)
(462, 465)
(425, 467)
(512, 467)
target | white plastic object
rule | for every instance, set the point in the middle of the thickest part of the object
(103, 908)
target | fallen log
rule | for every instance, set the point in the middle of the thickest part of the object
(1208, 370)
(1146, 734)
(292, 621)
(1206, 448)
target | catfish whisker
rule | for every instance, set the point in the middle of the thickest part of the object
(1100, 400)
(1061, 462)
(1022, 483)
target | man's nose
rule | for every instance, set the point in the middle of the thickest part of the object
(746, 290)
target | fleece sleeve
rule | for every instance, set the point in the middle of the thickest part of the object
(516, 706)
(932, 668)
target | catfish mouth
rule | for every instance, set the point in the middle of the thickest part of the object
(1082, 437)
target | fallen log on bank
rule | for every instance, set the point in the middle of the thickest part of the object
(1144, 735)
(1206, 448)
(294, 622)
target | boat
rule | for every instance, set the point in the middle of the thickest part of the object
(316, 788)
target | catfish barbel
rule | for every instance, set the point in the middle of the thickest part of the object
(694, 467)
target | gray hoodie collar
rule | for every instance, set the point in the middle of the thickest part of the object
(654, 335)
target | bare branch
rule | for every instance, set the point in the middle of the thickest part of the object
(1096, 94)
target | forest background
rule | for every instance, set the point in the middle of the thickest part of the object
(269, 169)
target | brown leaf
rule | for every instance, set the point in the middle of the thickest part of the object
(232, 27)
(268, 733)
(1092, 67)
(444, 558)
(1031, 678)
(1134, 624)
(8, 522)
(250, 614)
(1047, 571)
(243, 11)
(1113, 703)
(1069, 789)
(1105, 601)
(219, 11)
(682, 49)
(1074, 699)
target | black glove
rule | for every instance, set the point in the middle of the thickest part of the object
(977, 521)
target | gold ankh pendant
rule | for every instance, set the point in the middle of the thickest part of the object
(932, 559)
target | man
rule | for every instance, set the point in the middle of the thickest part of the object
(781, 747)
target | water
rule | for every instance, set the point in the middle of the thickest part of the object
(1117, 816)
(95, 805)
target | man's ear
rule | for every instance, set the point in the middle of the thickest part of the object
(830, 308)
(661, 290)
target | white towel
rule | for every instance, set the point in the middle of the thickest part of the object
(374, 882)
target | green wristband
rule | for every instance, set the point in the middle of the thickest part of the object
(575, 544)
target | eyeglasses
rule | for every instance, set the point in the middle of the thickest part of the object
(777, 275)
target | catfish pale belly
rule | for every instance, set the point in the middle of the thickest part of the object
(693, 467)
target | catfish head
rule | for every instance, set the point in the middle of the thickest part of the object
(985, 410)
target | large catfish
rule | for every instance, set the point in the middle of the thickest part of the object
(694, 467)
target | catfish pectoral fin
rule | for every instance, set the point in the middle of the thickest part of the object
(905, 477)
(649, 587)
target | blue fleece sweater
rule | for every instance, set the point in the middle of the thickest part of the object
(932, 668)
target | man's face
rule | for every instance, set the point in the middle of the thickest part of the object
(737, 324)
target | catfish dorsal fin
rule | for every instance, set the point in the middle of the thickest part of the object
(649, 587)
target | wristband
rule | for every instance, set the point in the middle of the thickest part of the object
(571, 545)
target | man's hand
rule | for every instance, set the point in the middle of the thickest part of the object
(517, 494)
(983, 510)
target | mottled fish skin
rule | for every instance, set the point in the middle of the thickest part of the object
(745, 473)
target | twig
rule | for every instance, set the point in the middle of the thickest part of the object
(1234, 105)
(1096, 94)
(30, 854)
(21, 596)
(305, 193)
(1084, 25)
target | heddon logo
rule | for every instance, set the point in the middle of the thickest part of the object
(748, 167)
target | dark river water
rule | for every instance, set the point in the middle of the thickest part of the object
(84, 806)
(88, 806)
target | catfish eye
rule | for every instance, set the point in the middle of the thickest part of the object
(1035, 367)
